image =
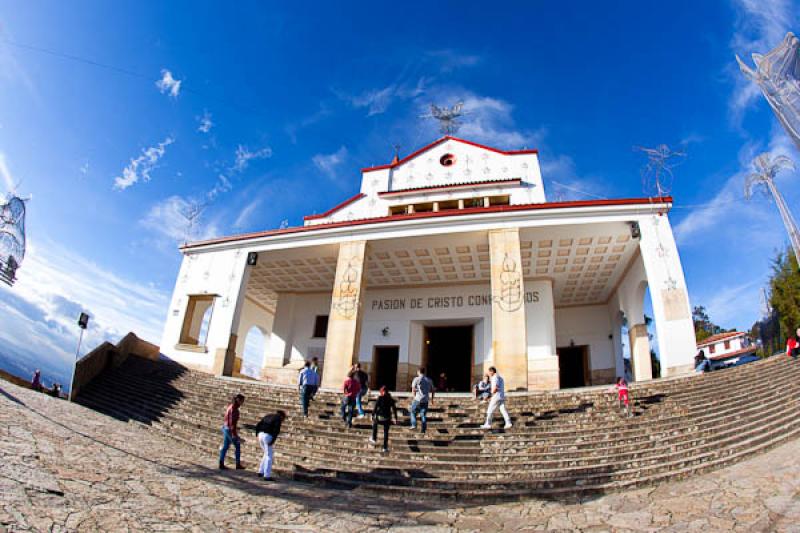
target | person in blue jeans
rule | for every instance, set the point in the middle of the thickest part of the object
(363, 380)
(307, 383)
(230, 433)
(422, 390)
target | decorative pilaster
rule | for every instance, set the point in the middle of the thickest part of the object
(344, 324)
(641, 364)
(509, 345)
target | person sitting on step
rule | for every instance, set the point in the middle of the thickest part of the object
(230, 433)
(793, 345)
(483, 389)
(351, 389)
(385, 407)
(701, 363)
(498, 400)
(267, 431)
(621, 387)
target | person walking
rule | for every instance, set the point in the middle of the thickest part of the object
(307, 383)
(498, 400)
(621, 387)
(422, 389)
(363, 381)
(315, 368)
(36, 381)
(267, 431)
(701, 364)
(351, 389)
(793, 345)
(385, 408)
(230, 433)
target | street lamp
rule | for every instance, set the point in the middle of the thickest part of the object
(83, 322)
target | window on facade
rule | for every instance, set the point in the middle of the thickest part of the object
(423, 208)
(499, 200)
(727, 345)
(197, 320)
(321, 326)
(712, 348)
(398, 210)
(473, 202)
(447, 205)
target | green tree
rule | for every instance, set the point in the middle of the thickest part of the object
(785, 292)
(703, 327)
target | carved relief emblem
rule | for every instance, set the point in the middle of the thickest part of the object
(510, 297)
(347, 298)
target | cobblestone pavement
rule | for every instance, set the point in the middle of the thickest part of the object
(66, 468)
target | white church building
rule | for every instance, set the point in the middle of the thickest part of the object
(450, 259)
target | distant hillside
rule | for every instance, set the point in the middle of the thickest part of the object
(16, 380)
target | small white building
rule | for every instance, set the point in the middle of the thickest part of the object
(726, 347)
(452, 259)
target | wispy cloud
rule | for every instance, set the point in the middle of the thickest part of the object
(139, 168)
(328, 164)
(243, 219)
(204, 123)
(5, 173)
(563, 181)
(449, 60)
(168, 84)
(244, 156)
(84, 169)
(377, 101)
(174, 219)
(760, 26)
(293, 128)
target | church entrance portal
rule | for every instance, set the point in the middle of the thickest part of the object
(449, 350)
(573, 362)
(385, 358)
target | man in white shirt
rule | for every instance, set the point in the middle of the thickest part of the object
(498, 400)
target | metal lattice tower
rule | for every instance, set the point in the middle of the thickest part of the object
(658, 170)
(447, 117)
(766, 168)
(12, 237)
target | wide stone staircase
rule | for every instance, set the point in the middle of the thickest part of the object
(564, 444)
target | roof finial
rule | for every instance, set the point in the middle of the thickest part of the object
(396, 158)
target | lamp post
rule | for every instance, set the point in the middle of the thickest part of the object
(83, 322)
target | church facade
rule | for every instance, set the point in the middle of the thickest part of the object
(451, 259)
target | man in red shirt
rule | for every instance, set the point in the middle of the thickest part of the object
(230, 433)
(351, 390)
(793, 345)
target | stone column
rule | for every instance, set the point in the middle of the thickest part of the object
(344, 323)
(642, 366)
(231, 308)
(509, 344)
(543, 363)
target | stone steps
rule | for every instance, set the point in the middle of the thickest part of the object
(563, 443)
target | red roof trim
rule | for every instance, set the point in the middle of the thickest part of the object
(335, 208)
(719, 337)
(440, 141)
(449, 213)
(729, 355)
(515, 181)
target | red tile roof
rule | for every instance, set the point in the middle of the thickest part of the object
(449, 213)
(463, 185)
(713, 339)
(737, 353)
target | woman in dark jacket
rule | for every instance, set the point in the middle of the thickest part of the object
(385, 408)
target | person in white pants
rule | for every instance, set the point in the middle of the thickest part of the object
(498, 400)
(267, 431)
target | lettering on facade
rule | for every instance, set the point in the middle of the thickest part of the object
(445, 302)
(510, 285)
(346, 300)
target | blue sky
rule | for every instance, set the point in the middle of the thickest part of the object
(114, 117)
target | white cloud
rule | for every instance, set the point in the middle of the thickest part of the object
(746, 295)
(5, 173)
(171, 219)
(204, 122)
(168, 84)
(246, 214)
(55, 284)
(85, 168)
(244, 156)
(141, 167)
(564, 183)
(377, 101)
(329, 163)
(760, 27)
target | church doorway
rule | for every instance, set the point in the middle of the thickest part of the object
(573, 363)
(449, 350)
(385, 367)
